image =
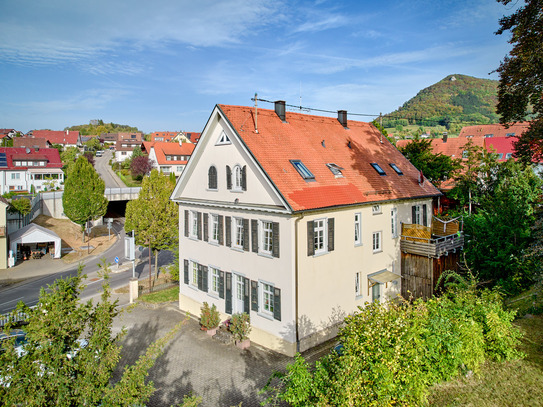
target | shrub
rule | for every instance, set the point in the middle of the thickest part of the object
(240, 326)
(209, 317)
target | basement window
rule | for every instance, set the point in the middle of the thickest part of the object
(336, 169)
(302, 170)
(395, 168)
(378, 168)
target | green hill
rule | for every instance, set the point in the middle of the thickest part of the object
(458, 99)
(97, 127)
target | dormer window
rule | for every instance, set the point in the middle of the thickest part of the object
(336, 170)
(302, 170)
(395, 168)
(378, 168)
(223, 139)
(489, 135)
(510, 135)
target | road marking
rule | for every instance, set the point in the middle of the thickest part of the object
(7, 302)
(97, 281)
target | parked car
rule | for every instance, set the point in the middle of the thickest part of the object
(99, 153)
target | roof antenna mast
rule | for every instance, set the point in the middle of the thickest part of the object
(256, 113)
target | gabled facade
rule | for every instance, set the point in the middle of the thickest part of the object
(294, 219)
(125, 148)
(168, 157)
(22, 168)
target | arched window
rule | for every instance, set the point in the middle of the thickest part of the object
(237, 177)
(212, 178)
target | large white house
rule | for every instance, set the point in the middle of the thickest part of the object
(294, 219)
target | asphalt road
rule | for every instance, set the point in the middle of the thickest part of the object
(101, 164)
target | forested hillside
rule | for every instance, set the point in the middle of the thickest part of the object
(100, 127)
(455, 99)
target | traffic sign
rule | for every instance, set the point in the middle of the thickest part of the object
(116, 260)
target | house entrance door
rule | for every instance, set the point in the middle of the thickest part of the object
(238, 294)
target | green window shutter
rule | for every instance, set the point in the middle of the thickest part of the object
(275, 239)
(206, 227)
(221, 284)
(199, 226)
(310, 238)
(330, 234)
(244, 178)
(277, 304)
(254, 295)
(186, 271)
(200, 278)
(204, 278)
(221, 238)
(246, 234)
(228, 177)
(246, 299)
(186, 223)
(413, 214)
(228, 232)
(228, 293)
(424, 215)
(254, 235)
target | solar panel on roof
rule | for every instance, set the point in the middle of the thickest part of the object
(3, 160)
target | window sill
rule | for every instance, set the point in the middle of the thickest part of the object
(213, 243)
(321, 254)
(377, 251)
(266, 315)
(213, 295)
(266, 255)
(237, 191)
(358, 297)
(212, 190)
(238, 249)
(195, 288)
(195, 238)
(358, 244)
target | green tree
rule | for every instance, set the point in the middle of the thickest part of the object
(83, 197)
(153, 216)
(21, 206)
(520, 91)
(93, 144)
(56, 370)
(436, 167)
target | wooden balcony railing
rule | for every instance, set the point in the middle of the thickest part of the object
(419, 240)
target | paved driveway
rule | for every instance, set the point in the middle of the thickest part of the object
(221, 374)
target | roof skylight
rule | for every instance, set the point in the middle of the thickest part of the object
(302, 170)
(378, 168)
(336, 169)
(395, 168)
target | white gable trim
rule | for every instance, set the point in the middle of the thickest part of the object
(205, 135)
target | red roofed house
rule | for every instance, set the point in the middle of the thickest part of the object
(168, 157)
(67, 138)
(163, 135)
(294, 219)
(125, 148)
(20, 168)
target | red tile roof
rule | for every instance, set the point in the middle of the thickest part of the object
(14, 153)
(497, 130)
(164, 135)
(164, 148)
(453, 147)
(353, 149)
(502, 146)
(57, 137)
(30, 142)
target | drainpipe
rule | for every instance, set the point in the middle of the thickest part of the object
(296, 280)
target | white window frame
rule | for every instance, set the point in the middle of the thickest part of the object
(214, 280)
(320, 238)
(358, 284)
(357, 229)
(394, 222)
(237, 178)
(223, 139)
(266, 290)
(266, 237)
(377, 241)
(214, 229)
(193, 280)
(193, 229)
(237, 230)
(376, 209)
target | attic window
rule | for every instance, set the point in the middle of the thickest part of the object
(510, 135)
(508, 155)
(395, 168)
(223, 139)
(302, 170)
(489, 135)
(336, 169)
(377, 168)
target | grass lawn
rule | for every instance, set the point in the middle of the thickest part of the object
(515, 383)
(128, 180)
(171, 294)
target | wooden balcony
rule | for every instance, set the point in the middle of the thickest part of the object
(420, 240)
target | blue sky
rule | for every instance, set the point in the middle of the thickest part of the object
(162, 65)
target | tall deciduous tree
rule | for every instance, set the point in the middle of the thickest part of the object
(57, 370)
(520, 92)
(153, 216)
(140, 166)
(83, 197)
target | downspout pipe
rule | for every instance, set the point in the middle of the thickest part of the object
(296, 256)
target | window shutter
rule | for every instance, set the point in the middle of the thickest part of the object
(186, 271)
(221, 284)
(277, 304)
(186, 223)
(424, 215)
(246, 299)
(275, 239)
(221, 238)
(413, 214)
(254, 295)
(310, 238)
(199, 226)
(228, 293)
(254, 235)
(244, 178)
(246, 234)
(206, 227)
(204, 278)
(228, 233)
(228, 177)
(200, 278)
(330, 234)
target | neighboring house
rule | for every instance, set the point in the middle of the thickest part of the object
(109, 137)
(163, 136)
(193, 137)
(7, 133)
(130, 136)
(296, 222)
(67, 138)
(168, 157)
(494, 130)
(22, 168)
(124, 149)
(31, 142)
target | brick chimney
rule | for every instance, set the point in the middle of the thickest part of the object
(280, 109)
(445, 135)
(342, 117)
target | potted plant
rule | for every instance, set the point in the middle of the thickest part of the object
(209, 318)
(240, 326)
